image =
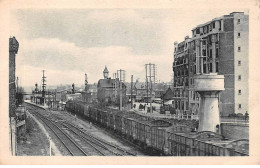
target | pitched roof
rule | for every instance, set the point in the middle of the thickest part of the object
(169, 94)
(139, 85)
(108, 83)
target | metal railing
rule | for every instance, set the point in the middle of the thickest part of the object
(172, 116)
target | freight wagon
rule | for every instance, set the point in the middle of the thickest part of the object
(161, 136)
(204, 144)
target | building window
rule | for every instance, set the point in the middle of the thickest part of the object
(204, 52)
(238, 34)
(239, 106)
(239, 63)
(210, 53)
(238, 21)
(239, 92)
(198, 31)
(239, 77)
(239, 49)
(210, 67)
(216, 66)
(217, 53)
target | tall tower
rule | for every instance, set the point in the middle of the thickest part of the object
(105, 73)
(209, 86)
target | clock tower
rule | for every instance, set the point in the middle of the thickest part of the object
(105, 73)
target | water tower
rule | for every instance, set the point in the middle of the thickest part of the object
(208, 84)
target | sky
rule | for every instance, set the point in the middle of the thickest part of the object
(67, 43)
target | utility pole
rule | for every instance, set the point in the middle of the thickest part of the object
(115, 84)
(131, 91)
(17, 86)
(55, 101)
(49, 100)
(151, 76)
(86, 83)
(146, 80)
(151, 109)
(121, 74)
(43, 85)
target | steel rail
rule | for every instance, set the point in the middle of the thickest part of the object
(44, 119)
(102, 142)
(90, 139)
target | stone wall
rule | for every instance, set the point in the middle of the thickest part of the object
(235, 131)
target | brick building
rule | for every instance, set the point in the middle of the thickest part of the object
(218, 46)
(108, 89)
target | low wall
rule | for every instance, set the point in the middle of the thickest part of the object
(235, 130)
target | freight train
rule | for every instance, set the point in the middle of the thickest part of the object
(170, 137)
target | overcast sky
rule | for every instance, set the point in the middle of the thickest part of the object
(70, 42)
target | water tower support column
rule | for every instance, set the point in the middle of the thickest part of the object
(209, 87)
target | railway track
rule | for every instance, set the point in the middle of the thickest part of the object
(76, 141)
(111, 149)
(73, 148)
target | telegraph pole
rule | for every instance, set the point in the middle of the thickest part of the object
(131, 91)
(121, 74)
(151, 109)
(55, 102)
(86, 82)
(146, 80)
(17, 86)
(151, 76)
(43, 85)
(115, 84)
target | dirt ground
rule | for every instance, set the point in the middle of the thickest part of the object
(36, 144)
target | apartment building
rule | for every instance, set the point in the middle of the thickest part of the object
(218, 46)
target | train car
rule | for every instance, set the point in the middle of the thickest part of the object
(158, 134)
(176, 134)
(68, 106)
(131, 129)
(143, 133)
(161, 136)
(238, 147)
(118, 122)
(92, 114)
(208, 143)
(204, 143)
(125, 127)
(103, 118)
(86, 111)
(111, 120)
(98, 116)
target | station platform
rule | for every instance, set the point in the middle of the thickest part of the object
(41, 106)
